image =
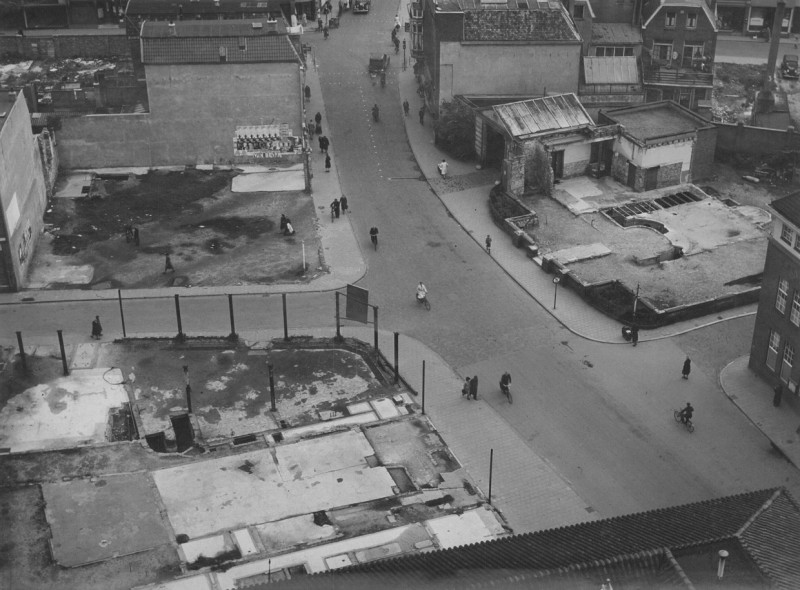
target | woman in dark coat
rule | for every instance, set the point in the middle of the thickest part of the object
(687, 367)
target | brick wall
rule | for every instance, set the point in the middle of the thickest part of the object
(703, 154)
(779, 264)
(668, 175)
(514, 175)
(575, 168)
(754, 140)
(64, 46)
(619, 168)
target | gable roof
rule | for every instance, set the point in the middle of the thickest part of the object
(610, 70)
(529, 118)
(788, 207)
(765, 524)
(542, 23)
(202, 42)
(680, 4)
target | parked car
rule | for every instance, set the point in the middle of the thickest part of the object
(361, 6)
(790, 68)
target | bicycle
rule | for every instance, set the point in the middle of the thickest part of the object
(678, 415)
(506, 389)
(424, 301)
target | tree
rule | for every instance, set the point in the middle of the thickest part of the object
(455, 129)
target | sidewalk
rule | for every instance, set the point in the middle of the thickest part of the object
(753, 396)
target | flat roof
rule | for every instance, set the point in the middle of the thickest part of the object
(615, 33)
(658, 119)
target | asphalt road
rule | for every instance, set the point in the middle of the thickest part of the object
(600, 414)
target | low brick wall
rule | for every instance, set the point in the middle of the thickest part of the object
(754, 140)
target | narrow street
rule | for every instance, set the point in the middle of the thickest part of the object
(601, 414)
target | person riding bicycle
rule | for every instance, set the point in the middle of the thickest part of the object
(505, 381)
(686, 413)
(422, 292)
(373, 235)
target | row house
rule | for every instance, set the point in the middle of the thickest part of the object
(679, 39)
(755, 17)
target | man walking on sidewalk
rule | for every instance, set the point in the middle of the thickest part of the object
(473, 388)
(443, 168)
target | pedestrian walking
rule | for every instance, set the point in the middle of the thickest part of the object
(776, 399)
(321, 144)
(307, 91)
(489, 244)
(318, 118)
(326, 143)
(406, 108)
(284, 221)
(327, 163)
(343, 204)
(128, 233)
(473, 388)
(635, 335)
(311, 127)
(97, 328)
(335, 208)
(465, 388)
(422, 115)
(168, 264)
(318, 129)
(396, 21)
(687, 367)
(288, 230)
(325, 32)
(135, 236)
(442, 168)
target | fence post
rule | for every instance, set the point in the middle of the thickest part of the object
(271, 387)
(63, 352)
(22, 353)
(375, 317)
(285, 320)
(181, 336)
(338, 327)
(121, 313)
(233, 335)
(396, 357)
(423, 388)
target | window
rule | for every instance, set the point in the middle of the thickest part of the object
(692, 55)
(606, 51)
(786, 365)
(797, 242)
(577, 11)
(662, 52)
(772, 349)
(794, 316)
(786, 234)
(783, 293)
(691, 20)
(670, 19)
(243, 43)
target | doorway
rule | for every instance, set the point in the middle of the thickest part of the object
(557, 162)
(184, 433)
(495, 148)
(631, 182)
(651, 178)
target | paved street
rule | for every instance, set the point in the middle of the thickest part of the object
(600, 414)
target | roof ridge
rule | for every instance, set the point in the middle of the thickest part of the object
(758, 513)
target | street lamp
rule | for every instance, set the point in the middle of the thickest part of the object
(404, 55)
(556, 281)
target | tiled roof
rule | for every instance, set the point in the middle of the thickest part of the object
(528, 118)
(536, 25)
(610, 70)
(205, 42)
(789, 207)
(615, 33)
(765, 523)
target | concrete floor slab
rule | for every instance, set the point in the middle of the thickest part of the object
(292, 532)
(207, 547)
(94, 520)
(385, 408)
(64, 413)
(473, 526)
(270, 484)
(72, 185)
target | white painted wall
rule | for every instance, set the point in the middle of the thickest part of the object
(656, 156)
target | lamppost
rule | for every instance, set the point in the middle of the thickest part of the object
(404, 55)
(556, 281)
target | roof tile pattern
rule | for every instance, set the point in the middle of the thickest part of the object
(789, 207)
(532, 26)
(202, 50)
(767, 522)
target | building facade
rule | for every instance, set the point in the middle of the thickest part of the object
(508, 48)
(679, 40)
(776, 336)
(25, 165)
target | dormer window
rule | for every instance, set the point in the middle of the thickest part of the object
(670, 19)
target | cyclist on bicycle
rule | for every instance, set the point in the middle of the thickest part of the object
(686, 413)
(422, 292)
(505, 381)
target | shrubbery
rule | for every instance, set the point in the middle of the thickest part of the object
(455, 129)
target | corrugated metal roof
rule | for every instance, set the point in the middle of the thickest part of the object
(610, 70)
(615, 34)
(537, 115)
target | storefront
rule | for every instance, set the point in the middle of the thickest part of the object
(755, 17)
